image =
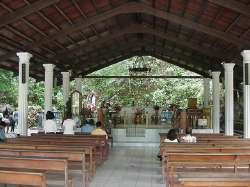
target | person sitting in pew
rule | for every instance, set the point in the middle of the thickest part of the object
(188, 138)
(99, 130)
(2, 131)
(50, 124)
(68, 124)
(88, 127)
(172, 136)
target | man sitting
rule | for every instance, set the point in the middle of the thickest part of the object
(88, 127)
(188, 138)
(99, 130)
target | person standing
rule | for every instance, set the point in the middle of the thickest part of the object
(50, 124)
(14, 120)
(175, 117)
(2, 130)
(6, 119)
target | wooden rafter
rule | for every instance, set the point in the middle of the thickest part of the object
(191, 60)
(233, 5)
(135, 7)
(133, 29)
(25, 11)
(145, 53)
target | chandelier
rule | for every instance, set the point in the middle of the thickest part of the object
(139, 67)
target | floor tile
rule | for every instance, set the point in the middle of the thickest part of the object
(130, 167)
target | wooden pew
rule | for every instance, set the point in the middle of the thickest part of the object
(22, 178)
(208, 180)
(100, 140)
(190, 155)
(101, 151)
(89, 151)
(186, 162)
(164, 135)
(206, 150)
(37, 164)
(74, 158)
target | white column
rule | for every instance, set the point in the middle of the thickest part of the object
(229, 99)
(24, 59)
(66, 76)
(48, 83)
(79, 84)
(246, 91)
(206, 91)
(216, 101)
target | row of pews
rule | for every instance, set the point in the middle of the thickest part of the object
(52, 159)
(215, 160)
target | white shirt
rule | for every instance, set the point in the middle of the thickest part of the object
(171, 141)
(188, 139)
(50, 126)
(6, 120)
(68, 126)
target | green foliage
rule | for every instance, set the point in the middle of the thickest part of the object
(123, 91)
(8, 88)
(145, 91)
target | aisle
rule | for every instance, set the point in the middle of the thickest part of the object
(130, 167)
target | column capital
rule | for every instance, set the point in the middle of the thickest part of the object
(246, 56)
(49, 67)
(24, 57)
(229, 66)
(216, 74)
(65, 74)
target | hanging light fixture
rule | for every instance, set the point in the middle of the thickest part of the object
(139, 66)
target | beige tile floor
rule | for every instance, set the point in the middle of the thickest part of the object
(130, 167)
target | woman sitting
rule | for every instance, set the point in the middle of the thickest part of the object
(50, 124)
(172, 136)
(188, 138)
(69, 124)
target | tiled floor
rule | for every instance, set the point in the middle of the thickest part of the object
(130, 167)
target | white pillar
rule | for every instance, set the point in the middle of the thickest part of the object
(66, 76)
(24, 59)
(229, 99)
(206, 92)
(216, 101)
(48, 83)
(246, 91)
(79, 84)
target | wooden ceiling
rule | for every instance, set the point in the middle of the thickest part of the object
(87, 35)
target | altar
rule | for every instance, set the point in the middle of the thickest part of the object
(143, 125)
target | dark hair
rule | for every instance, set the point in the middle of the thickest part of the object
(91, 122)
(188, 131)
(50, 115)
(68, 115)
(172, 134)
(98, 124)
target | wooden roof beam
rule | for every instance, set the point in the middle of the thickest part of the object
(25, 11)
(233, 5)
(135, 7)
(192, 60)
(133, 29)
(145, 53)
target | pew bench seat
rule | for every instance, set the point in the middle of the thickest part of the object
(22, 178)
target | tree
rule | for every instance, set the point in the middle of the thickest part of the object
(151, 91)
